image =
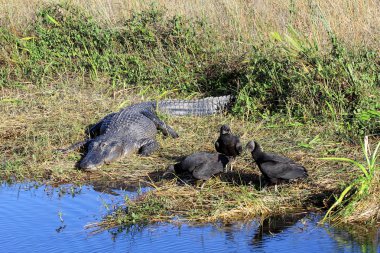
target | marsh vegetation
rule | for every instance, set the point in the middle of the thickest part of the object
(305, 86)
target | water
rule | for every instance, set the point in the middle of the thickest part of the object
(47, 219)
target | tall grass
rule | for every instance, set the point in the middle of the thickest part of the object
(289, 74)
(354, 22)
(356, 193)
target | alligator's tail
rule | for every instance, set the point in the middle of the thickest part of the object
(198, 107)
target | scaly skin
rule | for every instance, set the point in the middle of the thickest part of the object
(134, 128)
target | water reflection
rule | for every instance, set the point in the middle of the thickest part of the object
(275, 225)
(356, 238)
(111, 186)
(38, 218)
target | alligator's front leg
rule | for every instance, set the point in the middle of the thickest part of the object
(165, 129)
(74, 146)
(93, 131)
(147, 146)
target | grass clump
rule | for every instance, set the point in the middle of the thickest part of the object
(358, 202)
(145, 50)
(295, 79)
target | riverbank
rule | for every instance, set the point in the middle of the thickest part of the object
(41, 122)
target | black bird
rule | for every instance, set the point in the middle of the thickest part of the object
(227, 143)
(275, 168)
(202, 165)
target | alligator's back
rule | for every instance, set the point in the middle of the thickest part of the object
(130, 121)
(197, 107)
(131, 118)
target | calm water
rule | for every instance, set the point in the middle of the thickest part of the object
(47, 219)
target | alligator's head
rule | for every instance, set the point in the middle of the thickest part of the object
(100, 152)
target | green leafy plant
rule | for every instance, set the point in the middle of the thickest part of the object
(357, 189)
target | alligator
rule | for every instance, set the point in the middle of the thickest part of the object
(134, 128)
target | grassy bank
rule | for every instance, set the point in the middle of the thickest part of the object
(303, 96)
(42, 121)
(289, 76)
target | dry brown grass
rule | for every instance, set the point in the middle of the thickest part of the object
(354, 22)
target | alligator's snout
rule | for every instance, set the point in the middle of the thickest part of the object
(91, 162)
(100, 152)
(88, 166)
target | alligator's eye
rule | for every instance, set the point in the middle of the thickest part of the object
(115, 143)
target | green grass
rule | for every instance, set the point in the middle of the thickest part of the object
(356, 192)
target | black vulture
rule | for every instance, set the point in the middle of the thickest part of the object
(275, 168)
(202, 165)
(227, 143)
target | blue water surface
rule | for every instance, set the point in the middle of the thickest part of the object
(53, 219)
